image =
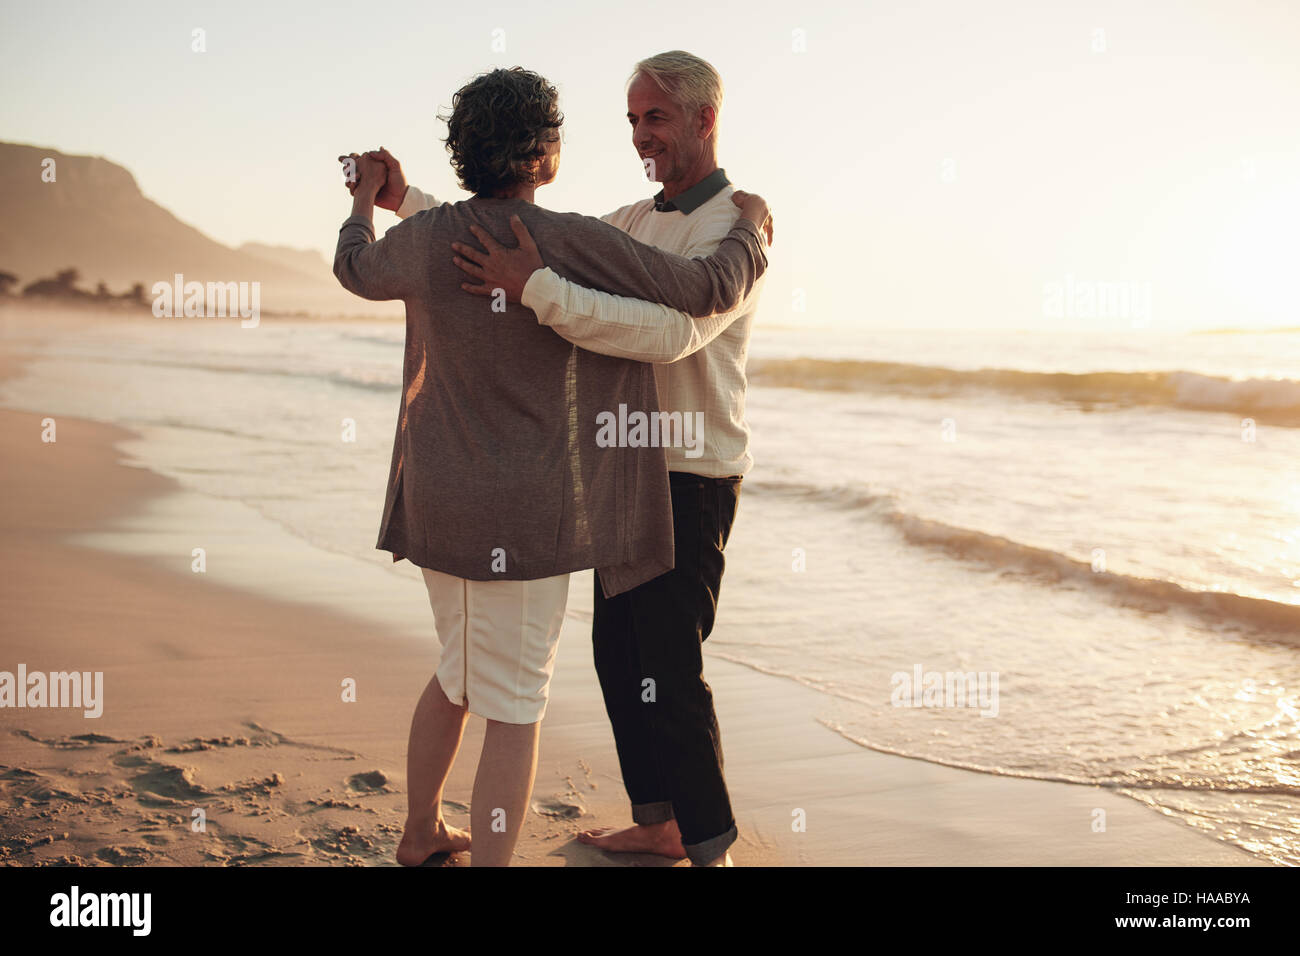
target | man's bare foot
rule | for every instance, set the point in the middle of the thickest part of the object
(422, 841)
(663, 839)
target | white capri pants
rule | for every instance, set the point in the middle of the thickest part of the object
(499, 640)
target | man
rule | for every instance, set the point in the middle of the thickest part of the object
(647, 641)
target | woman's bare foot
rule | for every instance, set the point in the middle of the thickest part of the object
(421, 841)
(663, 839)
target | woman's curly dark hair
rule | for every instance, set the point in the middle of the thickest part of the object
(498, 124)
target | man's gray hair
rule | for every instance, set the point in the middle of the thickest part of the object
(690, 81)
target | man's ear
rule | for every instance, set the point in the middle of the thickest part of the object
(708, 119)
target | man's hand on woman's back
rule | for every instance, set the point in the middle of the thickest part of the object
(499, 267)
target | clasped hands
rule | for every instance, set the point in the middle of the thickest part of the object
(376, 171)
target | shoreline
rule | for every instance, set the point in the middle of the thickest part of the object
(230, 702)
(120, 310)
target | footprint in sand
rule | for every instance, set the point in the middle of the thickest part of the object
(559, 808)
(373, 781)
(235, 850)
(343, 841)
(210, 743)
(23, 788)
(74, 742)
(174, 784)
(127, 855)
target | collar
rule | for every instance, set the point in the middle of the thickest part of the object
(695, 197)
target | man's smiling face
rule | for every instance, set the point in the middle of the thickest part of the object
(661, 131)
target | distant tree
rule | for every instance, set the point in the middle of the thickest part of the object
(136, 294)
(6, 280)
(43, 287)
(101, 292)
(63, 285)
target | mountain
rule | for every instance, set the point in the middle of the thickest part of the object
(307, 261)
(94, 217)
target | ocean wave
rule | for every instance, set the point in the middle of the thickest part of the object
(1145, 594)
(241, 434)
(1270, 401)
(396, 337)
(1135, 779)
(1154, 771)
(379, 379)
(845, 497)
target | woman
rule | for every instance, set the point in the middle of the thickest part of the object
(498, 486)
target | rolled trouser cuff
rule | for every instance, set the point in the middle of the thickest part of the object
(646, 814)
(702, 854)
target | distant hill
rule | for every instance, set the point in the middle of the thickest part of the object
(307, 261)
(95, 219)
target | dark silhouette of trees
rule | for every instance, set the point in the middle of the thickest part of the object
(63, 285)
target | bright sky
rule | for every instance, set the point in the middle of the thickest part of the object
(946, 164)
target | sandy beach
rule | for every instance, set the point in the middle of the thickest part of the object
(221, 700)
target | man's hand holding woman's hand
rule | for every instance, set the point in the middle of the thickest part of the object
(392, 181)
(371, 175)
